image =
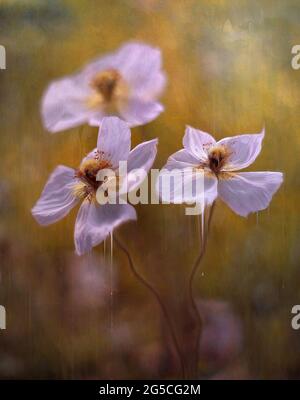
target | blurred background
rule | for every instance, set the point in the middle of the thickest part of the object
(229, 71)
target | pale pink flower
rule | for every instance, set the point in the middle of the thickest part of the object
(125, 83)
(67, 187)
(243, 192)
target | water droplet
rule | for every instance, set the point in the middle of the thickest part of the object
(202, 225)
(111, 285)
(111, 247)
(104, 249)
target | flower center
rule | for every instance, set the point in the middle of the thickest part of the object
(109, 87)
(87, 174)
(217, 158)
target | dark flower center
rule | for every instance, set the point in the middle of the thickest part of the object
(88, 170)
(217, 158)
(106, 83)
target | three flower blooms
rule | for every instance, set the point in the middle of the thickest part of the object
(119, 91)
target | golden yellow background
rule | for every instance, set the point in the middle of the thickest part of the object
(229, 72)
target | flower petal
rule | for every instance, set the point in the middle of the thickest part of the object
(114, 140)
(139, 112)
(91, 155)
(101, 63)
(57, 198)
(248, 192)
(63, 104)
(96, 118)
(95, 222)
(181, 159)
(186, 186)
(197, 142)
(143, 155)
(243, 150)
(140, 65)
(141, 159)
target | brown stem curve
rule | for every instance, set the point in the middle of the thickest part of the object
(161, 304)
(191, 281)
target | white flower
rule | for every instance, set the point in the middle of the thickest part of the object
(67, 187)
(244, 192)
(125, 83)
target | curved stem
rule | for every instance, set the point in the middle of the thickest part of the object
(191, 281)
(163, 308)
